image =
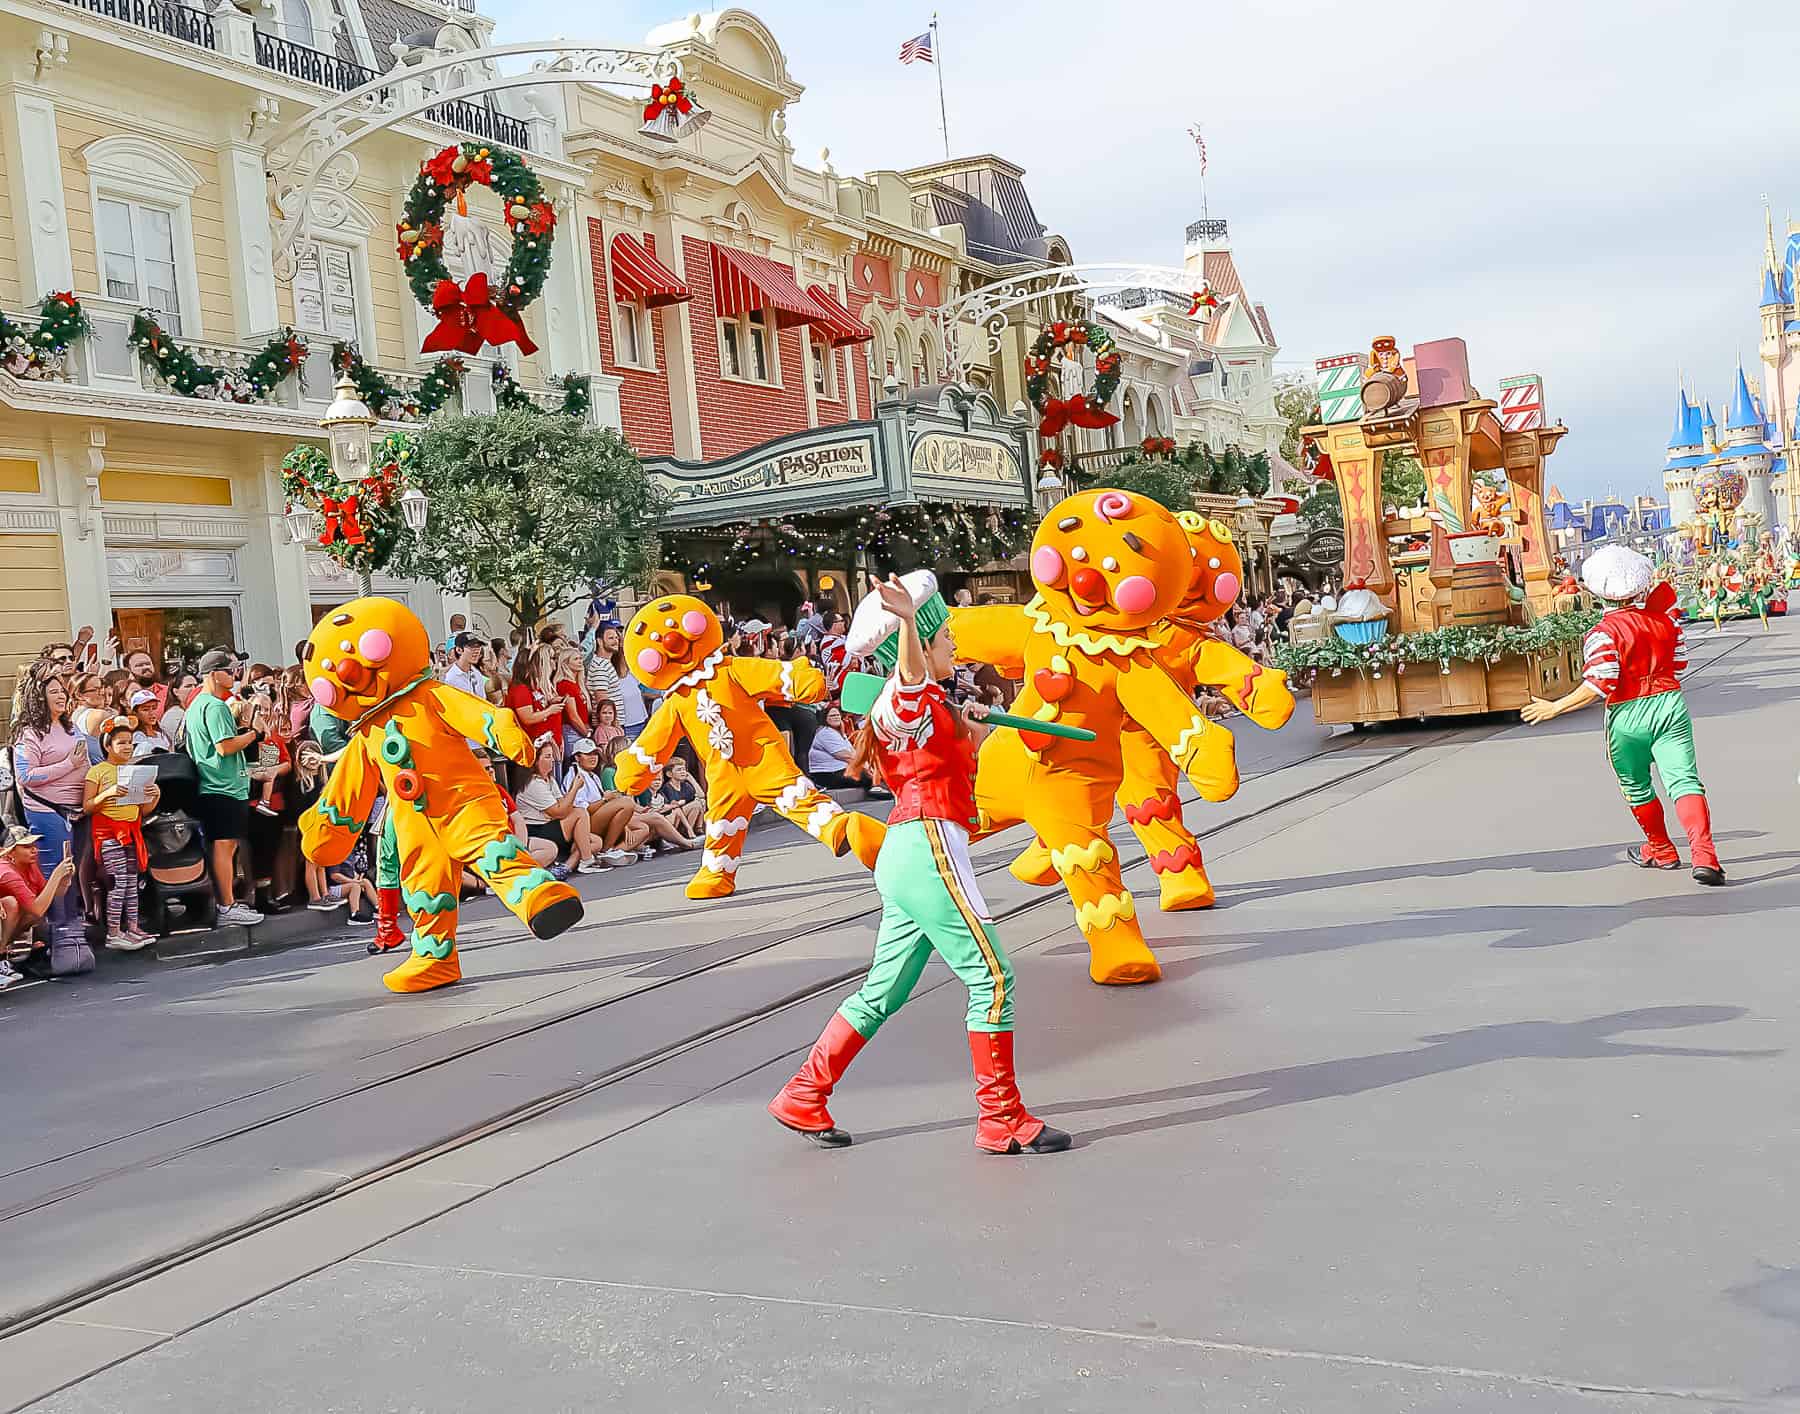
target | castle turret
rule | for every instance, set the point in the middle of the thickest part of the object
(1747, 451)
(1687, 453)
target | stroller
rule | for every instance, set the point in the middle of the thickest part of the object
(177, 873)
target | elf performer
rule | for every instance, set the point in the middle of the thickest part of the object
(925, 752)
(1634, 660)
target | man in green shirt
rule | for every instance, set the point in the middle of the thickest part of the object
(218, 741)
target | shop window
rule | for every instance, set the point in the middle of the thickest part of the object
(137, 253)
(746, 349)
(631, 335)
(824, 370)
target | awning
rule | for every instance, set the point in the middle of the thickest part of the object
(838, 324)
(744, 281)
(639, 275)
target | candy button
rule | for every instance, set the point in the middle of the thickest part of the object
(408, 785)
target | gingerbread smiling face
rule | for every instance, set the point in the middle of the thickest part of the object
(1110, 560)
(668, 638)
(1218, 569)
(362, 653)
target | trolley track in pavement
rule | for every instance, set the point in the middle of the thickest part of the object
(1131, 860)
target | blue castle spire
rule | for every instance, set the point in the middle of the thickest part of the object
(1743, 408)
(1684, 417)
(1771, 290)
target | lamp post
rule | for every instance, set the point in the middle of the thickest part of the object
(350, 430)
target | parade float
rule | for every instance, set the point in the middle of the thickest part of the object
(1729, 567)
(1451, 607)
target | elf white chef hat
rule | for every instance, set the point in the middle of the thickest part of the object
(873, 629)
(1617, 574)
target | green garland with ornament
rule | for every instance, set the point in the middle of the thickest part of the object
(1441, 646)
(391, 402)
(479, 312)
(362, 522)
(40, 353)
(277, 361)
(899, 538)
(509, 394)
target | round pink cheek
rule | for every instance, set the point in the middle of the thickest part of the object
(1226, 588)
(649, 660)
(693, 623)
(324, 693)
(1047, 566)
(375, 646)
(1135, 594)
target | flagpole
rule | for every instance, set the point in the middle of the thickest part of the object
(937, 48)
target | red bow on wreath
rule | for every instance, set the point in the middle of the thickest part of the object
(1073, 412)
(64, 297)
(1204, 298)
(340, 519)
(467, 319)
(662, 97)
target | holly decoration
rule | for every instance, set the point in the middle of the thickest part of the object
(1157, 446)
(362, 521)
(1473, 644)
(40, 353)
(577, 393)
(277, 361)
(390, 402)
(480, 312)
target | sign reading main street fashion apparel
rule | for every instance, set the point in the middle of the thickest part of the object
(949, 457)
(817, 463)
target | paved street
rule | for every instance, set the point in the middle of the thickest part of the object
(1443, 1108)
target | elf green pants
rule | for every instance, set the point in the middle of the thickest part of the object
(929, 903)
(387, 853)
(1653, 729)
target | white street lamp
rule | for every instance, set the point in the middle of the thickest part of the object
(302, 524)
(414, 507)
(350, 426)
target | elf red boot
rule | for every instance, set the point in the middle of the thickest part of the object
(1003, 1125)
(801, 1103)
(387, 922)
(1696, 819)
(1659, 851)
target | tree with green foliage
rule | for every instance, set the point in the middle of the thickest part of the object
(1165, 480)
(1402, 484)
(533, 508)
(1297, 402)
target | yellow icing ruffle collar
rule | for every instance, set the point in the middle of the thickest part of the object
(1066, 637)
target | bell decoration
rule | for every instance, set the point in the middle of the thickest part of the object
(672, 112)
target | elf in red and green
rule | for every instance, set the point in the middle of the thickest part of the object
(924, 751)
(1633, 661)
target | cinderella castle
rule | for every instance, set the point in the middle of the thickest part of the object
(1754, 439)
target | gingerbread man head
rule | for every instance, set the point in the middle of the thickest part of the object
(362, 653)
(1110, 561)
(1218, 577)
(669, 638)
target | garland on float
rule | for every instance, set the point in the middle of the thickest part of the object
(1470, 644)
(278, 361)
(391, 402)
(41, 353)
(362, 520)
(473, 315)
(1067, 339)
(899, 537)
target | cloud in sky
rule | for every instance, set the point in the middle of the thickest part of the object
(1573, 186)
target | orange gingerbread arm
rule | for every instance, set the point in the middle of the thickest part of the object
(1261, 694)
(470, 717)
(995, 634)
(1203, 750)
(798, 680)
(329, 830)
(636, 764)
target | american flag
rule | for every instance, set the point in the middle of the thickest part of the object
(1200, 143)
(917, 48)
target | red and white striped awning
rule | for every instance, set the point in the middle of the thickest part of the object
(837, 324)
(744, 281)
(639, 275)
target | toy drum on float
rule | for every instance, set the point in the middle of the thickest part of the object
(1477, 582)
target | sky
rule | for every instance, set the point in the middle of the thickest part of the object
(1576, 188)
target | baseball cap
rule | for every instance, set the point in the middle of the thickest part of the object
(583, 747)
(17, 837)
(142, 696)
(468, 639)
(216, 660)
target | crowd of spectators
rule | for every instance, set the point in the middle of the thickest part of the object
(253, 752)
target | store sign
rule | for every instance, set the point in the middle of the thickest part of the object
(954, 458)
(818, 463)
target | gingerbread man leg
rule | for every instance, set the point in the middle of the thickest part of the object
(1148, 794)
(428, 884)
(801, 802)
(1105, 911)
(727, 827)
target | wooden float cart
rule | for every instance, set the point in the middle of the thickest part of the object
(1411, 563)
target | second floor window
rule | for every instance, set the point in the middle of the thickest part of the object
(744, 350)
(628, 323)
(137, 255)
(824, 369)
(325, 291)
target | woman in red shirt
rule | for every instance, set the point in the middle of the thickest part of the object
(535, 701)
(576, 717)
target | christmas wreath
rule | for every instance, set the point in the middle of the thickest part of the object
(476, 313)
(363, 522)
(1068, 340)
